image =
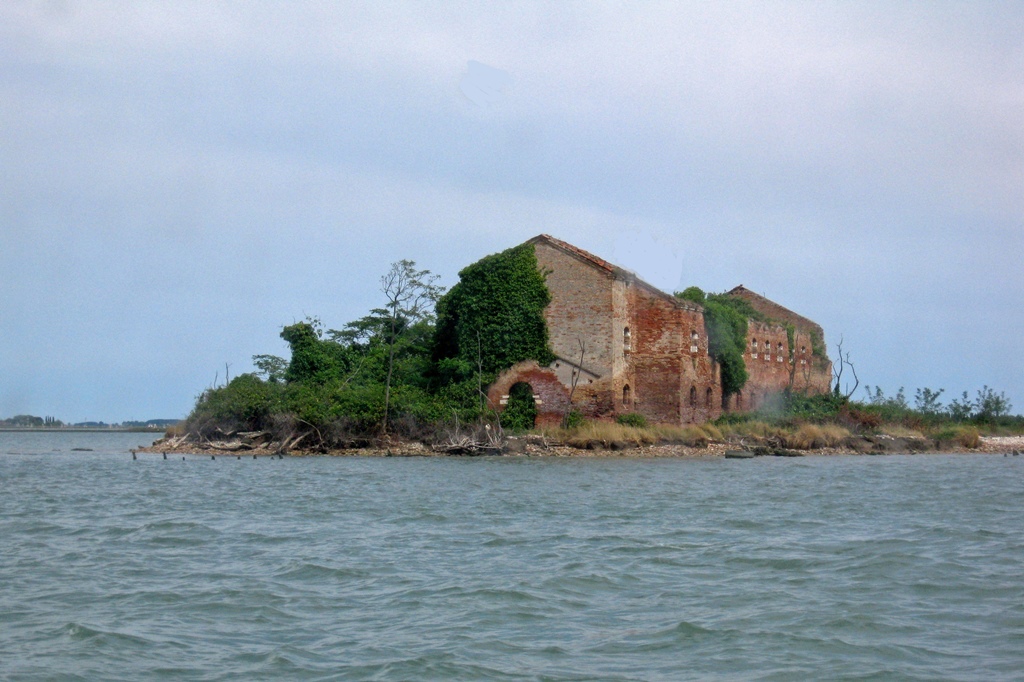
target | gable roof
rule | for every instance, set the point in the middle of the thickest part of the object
(575, 251)
(611, 270)
(774, 310)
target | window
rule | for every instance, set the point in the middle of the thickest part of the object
(626, 339)
(694, 341)
(693, 396)
(753, 348)
(710, 395)
(780, 353)
(627, 398)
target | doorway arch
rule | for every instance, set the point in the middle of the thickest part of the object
(520, 414)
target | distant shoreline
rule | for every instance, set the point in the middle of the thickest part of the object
(84, 429)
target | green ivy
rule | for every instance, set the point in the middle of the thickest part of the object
(493, 318)
(818, 346)
(521, 412)
(725, 319)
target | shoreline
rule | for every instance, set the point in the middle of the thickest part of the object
(536, 446)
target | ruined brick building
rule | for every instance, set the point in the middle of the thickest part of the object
(637, 349)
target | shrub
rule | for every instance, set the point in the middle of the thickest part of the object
(574, 419)
(632, 419)
(520, 413)
(966, 436)
(243, 405)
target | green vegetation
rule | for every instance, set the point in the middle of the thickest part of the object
(632, 419)
(725, 319)
(401, 371)
(23, 421)
(493, 318)
(989, 412)
(394, 370)
(520, 413)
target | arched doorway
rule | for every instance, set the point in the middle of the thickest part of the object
(520, 414)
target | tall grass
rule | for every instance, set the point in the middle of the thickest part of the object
(812, 436)
(610, 432)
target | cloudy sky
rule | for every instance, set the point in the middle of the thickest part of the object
(178, 180)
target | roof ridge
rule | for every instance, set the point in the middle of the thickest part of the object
(612, 269)
(576, 251)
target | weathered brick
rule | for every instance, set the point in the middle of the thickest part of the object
(645, 351)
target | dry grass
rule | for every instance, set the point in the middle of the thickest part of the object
(811, 436)
(806, 437)
(175, 430)
(610, 432)
(899, 431)
(754, 429)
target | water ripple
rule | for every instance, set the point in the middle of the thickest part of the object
(331, 569)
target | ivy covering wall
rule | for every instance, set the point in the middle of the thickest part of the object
(725, 319)
(493, 318)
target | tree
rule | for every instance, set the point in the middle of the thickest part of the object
(991, 405)
(927, 401)
(577, 371)
(313, 358)
(837, 373)
(411, 296)
(271, 367)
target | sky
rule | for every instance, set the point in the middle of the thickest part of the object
(179, 180)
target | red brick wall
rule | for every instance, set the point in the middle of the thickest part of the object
(669, 381)
(769, 375)
(662, 365)
(552, 395)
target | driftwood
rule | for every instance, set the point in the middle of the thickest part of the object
(289, 443)
(477, 442)
(230, 447)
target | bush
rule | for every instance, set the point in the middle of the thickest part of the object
(574, 420)
(632, 419)
(966, 436)
(245, 404)
(520, 413)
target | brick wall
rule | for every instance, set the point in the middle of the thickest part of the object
(581, 308)
(551, 395)
(647, 352)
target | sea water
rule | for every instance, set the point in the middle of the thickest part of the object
(900, 567)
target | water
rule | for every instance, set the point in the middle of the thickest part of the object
(506, 569)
